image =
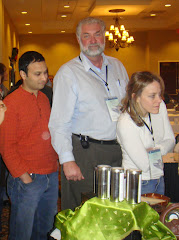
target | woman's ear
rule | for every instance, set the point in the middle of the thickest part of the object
(135, 98)
(133, 95)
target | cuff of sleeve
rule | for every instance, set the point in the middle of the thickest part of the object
(161, 148)
(66, 157)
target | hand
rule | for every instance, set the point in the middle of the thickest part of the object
(2, 111)
(25, 178)
(150, 149)
(72, 171)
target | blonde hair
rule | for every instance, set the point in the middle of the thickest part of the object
(138, 81)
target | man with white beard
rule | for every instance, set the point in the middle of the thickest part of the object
(87, 91)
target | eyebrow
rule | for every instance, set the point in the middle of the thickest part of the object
(86, 33)
(46, 71)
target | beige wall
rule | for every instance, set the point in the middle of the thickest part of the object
(134, 57)
(60, 48)
(148, 49)
(164, 46)
(56, 48)
(1, 29)
(9, 39)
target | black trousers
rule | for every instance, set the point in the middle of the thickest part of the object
(87, 159)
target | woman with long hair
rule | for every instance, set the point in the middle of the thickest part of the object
(144, 130)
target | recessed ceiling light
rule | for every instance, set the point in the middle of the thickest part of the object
(63, 16)
(66, 6)
(27, 24)
(24, 12)
(168, 5)
(152, 14)
(62, 31)
(29, 32)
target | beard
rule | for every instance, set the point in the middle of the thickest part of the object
(89, 51)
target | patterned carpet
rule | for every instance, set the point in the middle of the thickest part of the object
(5, 221)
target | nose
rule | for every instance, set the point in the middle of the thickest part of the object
(159, 99)
(44, 77)
(93, 39)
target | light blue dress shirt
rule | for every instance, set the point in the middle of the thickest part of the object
(79, 102)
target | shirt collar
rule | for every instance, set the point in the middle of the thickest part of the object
(87, 64)
(28, 93)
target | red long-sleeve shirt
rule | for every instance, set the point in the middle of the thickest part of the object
(25, 142)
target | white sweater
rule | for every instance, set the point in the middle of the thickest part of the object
(135, 140)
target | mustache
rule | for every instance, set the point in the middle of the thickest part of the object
(94, 45)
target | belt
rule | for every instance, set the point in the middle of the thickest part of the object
(107, 142)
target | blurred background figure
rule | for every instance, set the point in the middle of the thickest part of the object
(3, 93)
(50, 81)
(3, 77)
(166, 98)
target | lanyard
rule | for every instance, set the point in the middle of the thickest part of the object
(106, 82)
(149, 128)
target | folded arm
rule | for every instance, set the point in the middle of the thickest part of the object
(131, 142)
(166, 142)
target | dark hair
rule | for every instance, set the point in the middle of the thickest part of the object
(89, 20)
(2, 71)
(138, 81)
(27, 58)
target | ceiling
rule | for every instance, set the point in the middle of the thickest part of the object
(44, 16)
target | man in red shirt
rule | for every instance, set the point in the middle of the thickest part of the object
(27, 152)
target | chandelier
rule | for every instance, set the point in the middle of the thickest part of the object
(117, 36)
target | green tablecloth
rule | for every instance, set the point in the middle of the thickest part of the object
(99, 219)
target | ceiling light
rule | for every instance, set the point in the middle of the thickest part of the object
(27, 24)
(66, 6)
(63, 16)
(29, 32)
(24, 12)
(152, 14)
(117, 36)
(62, 31)
(168, 5)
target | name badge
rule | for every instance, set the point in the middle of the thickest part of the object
(113, 108)
(156, 163)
